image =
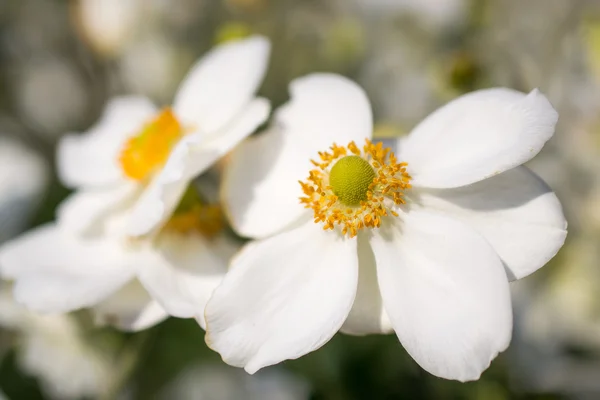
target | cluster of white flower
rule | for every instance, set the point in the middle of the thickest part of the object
(420, 239)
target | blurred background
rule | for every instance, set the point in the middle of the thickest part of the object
(61, 60)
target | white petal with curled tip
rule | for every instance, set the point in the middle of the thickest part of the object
(368, 315)
(84, 211)
(181, 272)
(260, 189)
(477, 136)
(130, 309)
(516, 212)
(283, 297)
(222, 83)
(58, 272)
(446, 293)
(92, 158)
(191, 156)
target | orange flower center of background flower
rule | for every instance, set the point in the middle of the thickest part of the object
(150, 148)
(194, 215)
(207, 220)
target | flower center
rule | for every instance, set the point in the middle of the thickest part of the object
(150, 148)
(193, 215)
(350, 179)
(355, 191)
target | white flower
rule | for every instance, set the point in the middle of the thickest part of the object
(434, 13)
(108, 24)
(423, 244)
(132, 170)
(213, 110)
(53, 349)
(36, 86)
(23, 179)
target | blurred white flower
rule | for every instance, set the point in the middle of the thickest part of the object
(23, 180)
(37, 89)
(424, 247)
(108, 25)
(213, 110)
(132, 171)
(434, 13)
(52, 348)
(220, 382)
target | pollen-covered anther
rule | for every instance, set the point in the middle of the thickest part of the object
(353, 188)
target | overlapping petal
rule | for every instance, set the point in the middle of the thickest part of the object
(130, 309)
(263, 199)
(84, 211)
(260, 190)
(516, 212)
(368, 315)
(283, 297)
(477, 136)
(222, 83)
(446, 293)
(181, 272)
(91, 159)
(55, 271)
(190, 157)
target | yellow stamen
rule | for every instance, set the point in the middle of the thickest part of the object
(150, 148)
(386, 187)
(207, 220)
(193, 215)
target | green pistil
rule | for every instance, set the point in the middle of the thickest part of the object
(350, 179)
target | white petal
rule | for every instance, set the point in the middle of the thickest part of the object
(446, 293)
(477, 136)
(222, 83)
(260, 189)
(516, 212)
(84, 210)
(368, 314)
(326, 108)
(190, 157)
(92, 159)
(130, 309)
(182, 272)
(57, 272)
(283, 297)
